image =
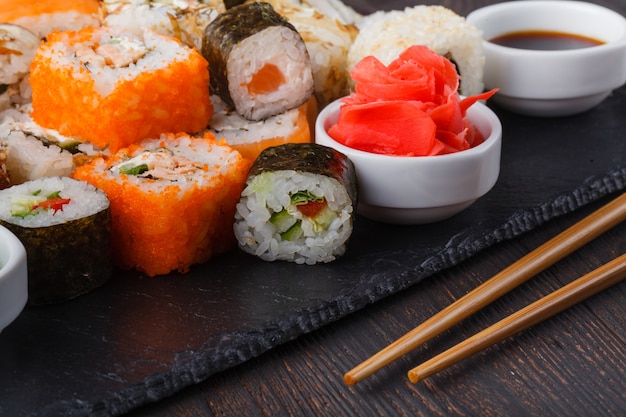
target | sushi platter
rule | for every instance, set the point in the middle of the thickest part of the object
(145, 334)
(138, 339)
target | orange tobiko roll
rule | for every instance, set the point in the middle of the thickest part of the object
(112, 89)
(250, 137)
(172, 200)
(43, 17)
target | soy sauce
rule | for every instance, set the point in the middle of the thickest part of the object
(545, 40)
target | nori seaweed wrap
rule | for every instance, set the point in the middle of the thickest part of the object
(64, 225)
(298, 205)
(259, 63)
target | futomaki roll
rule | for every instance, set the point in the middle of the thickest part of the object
(259, 64)
(298, 204)
(172, 200)
(65, 227)
(112, 88)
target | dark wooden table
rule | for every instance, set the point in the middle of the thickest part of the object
(571, 365)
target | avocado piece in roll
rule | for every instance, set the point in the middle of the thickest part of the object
(298, 204)
(259, 63)
(64, 225)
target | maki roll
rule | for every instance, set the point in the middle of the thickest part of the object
(251, 137)
(258, 62)
(182, 19)
(64, 225)
(328, 41)
(172, 200)
(111, 88)
(298, 204)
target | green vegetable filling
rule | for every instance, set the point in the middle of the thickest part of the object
(290, 227)
(130, 169)
(33, 204)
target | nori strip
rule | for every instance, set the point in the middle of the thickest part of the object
(226, 31)
(312, 158)
(232, 3)
(66, 260)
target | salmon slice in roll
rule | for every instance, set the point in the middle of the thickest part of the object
(258, 61)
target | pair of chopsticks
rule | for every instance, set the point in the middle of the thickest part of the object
(511, 277)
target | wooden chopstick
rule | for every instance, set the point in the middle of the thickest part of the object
(511, 277)
(609, 274)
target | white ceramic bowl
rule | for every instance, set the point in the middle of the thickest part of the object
(426, 189)
(13, 277)
(552, 83)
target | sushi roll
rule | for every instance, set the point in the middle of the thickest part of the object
(258, 61)
(65, 226)
(328, 41)
(172, 200)
(34, 152)
(298, 205)
(17, 50)
(112, 89)
(43, 17)
(250, 137)
(385, 34)
(182, 19)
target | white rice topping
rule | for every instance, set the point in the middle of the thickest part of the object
(44, 23)
(184, 19)
(18, 49)
(385, 34)
(85, 200)
(160, 52)
(269, 193)
(236, 129)
(216, 159)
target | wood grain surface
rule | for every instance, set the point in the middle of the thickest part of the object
(573, 364)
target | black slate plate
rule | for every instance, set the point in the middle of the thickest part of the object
(139, 339)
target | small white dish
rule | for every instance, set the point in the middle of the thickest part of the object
(13, 277)
(421, 189)
(556, 82)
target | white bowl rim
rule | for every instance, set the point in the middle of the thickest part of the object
(485, 11)
(16, 254)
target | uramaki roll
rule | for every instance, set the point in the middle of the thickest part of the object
(111, 88)
(172, 200)
(251, 137)
(182, 19)
(43, 17)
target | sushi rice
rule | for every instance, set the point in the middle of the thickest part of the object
(269, 193)
(65, 226)
(37, 190)
(172, 200)
(385, 34)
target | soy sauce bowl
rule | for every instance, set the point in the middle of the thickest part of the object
(421, 189)
(13, 277)
(552, 83)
